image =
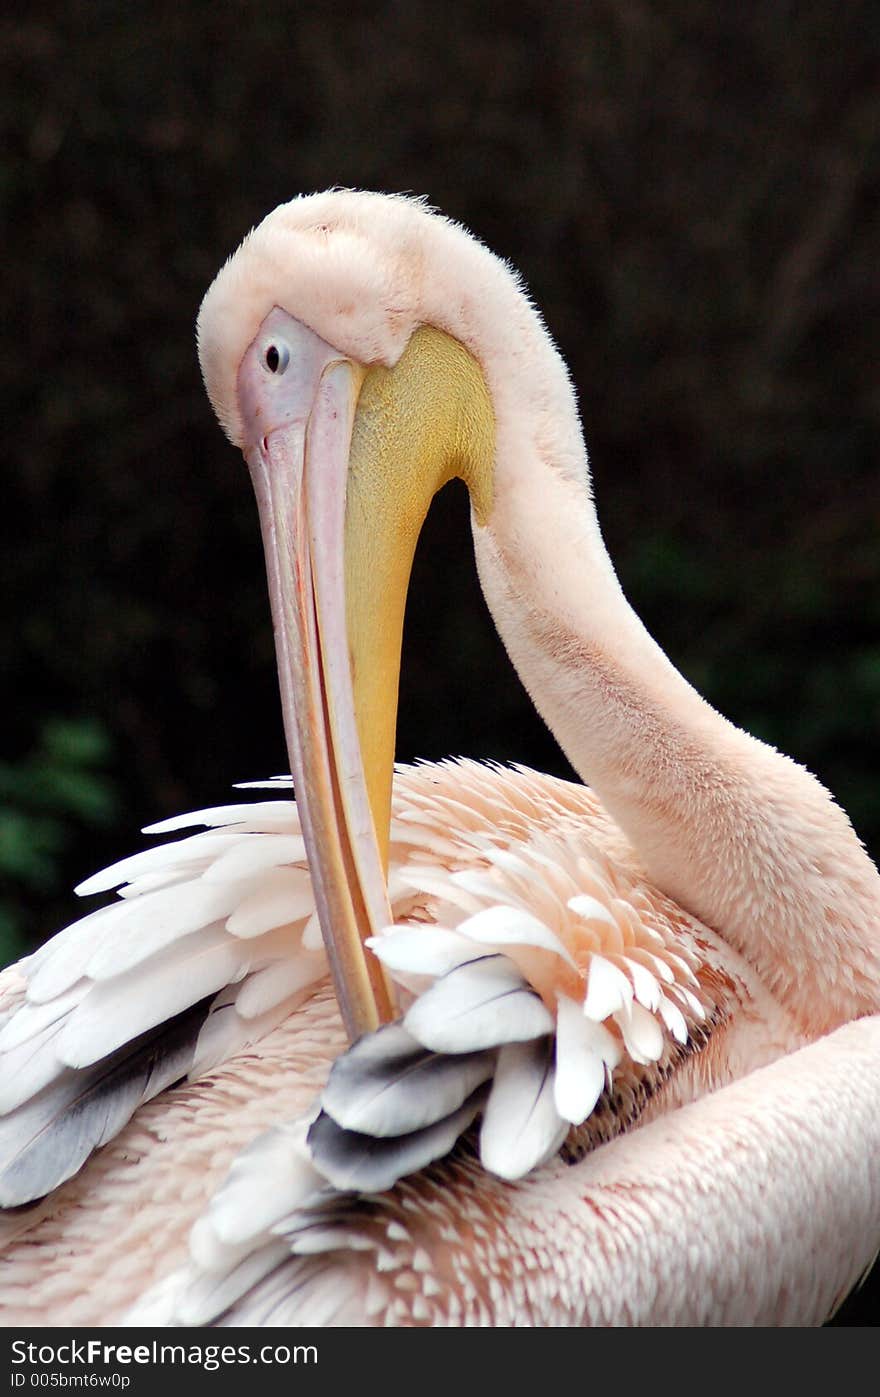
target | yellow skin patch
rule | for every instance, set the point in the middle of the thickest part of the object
(424, 422)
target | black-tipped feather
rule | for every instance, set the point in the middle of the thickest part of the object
(389, 1084)
(365, 1164)
(48, 1139)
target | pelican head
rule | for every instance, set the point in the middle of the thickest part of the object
(356, 387)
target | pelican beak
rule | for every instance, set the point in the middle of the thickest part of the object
(345, 461)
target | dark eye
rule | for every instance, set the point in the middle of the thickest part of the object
(276, 357)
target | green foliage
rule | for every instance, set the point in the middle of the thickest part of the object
(58, 787)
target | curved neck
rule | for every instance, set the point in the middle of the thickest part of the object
(735, 832)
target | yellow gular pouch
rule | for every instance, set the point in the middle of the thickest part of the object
(417, 426)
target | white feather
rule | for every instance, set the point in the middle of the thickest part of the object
(196, 849)
(253, 853)
(591, 909)
(689, 1000)
(29, 1067)
(280, 897)
(521, 1126)
(679, 963)
(34, 1018)
(268, 987)
(13, 980)
(507, 926)
(642, 1035)
(650, 961)
(422, 950)
(151, 882)
(151, 924)
(63, 960)
(226, 1031)
(206, 1297)
(303, 1295)
(645, 986)
(580, 1068)
(480, 883)
(120, 1009)
(484, 887)
(478, 1005)
(510, 862)
(155, 1309)
(215, 815)
(207, 1250)
(268, 1180)
(424, 836)
(673, 1018)
(608, 990)
(437, 883)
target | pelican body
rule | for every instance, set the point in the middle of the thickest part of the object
(460, 1044)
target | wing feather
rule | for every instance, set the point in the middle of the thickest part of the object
(366, 1164)
(478, 1005)
(521, 1125)
(48, 1140)
(388, 1084)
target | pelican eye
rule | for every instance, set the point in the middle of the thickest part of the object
(276, 357)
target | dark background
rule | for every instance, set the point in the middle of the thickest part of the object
(691, 191)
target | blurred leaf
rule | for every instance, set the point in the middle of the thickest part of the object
(28, 846)
(56, 789)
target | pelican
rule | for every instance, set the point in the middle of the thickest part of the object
(614, 1046)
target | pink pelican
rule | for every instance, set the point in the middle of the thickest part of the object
(615, 1044)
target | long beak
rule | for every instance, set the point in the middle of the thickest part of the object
(299, 470)
(345, 462)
